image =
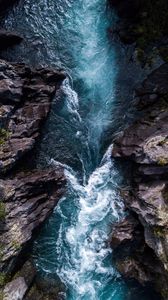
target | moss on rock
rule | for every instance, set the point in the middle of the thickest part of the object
(2, 210)
(4, 135)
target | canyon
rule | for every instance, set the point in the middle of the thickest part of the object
(68, 228)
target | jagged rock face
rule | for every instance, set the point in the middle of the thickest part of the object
(25, 97)
(124, 232)
(28, 199)
(133, 258)
(146, 143)
(150, 202)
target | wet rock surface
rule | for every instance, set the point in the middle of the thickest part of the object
(28, 200)
(145, 144)
(25, 98)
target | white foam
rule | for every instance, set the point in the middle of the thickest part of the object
(72, 100)
(86, 239)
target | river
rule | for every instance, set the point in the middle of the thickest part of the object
(74, 244)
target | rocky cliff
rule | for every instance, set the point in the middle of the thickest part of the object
(140, 242)
(27, 196)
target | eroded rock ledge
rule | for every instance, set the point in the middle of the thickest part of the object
(26, 198)
(145, 143)
(25, 97)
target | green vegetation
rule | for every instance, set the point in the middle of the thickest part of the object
(1, 294)
(2, 211)
(3, 279)
(164, 294)
(159, 232)
(162, 161)
(15, 245)
(4, 135)
(1, 250)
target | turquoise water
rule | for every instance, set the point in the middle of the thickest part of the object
(74, 244)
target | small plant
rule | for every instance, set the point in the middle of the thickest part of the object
(4, 135)
(1, 294)
(2, 211)
(15, 245)
(162, 161)
(159, 232)
(2, 279)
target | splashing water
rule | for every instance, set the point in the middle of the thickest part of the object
(83, 262)
(72, 34)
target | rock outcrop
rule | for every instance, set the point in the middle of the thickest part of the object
(145, 143)
(27, 200)
(27, 197)
(25, 99)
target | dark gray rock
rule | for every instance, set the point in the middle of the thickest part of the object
(27, 201)
(25, 99)
(145, 143)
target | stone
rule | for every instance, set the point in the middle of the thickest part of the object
(123, 232)
(28, 200)
(15, 290)
(145, 143)
(25, 101)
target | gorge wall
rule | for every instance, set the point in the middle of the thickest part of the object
(27, 195)
(140, 242)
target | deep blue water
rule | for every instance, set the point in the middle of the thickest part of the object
(73, 35)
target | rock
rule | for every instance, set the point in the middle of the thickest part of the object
(130, 269)
(150, 203)
(8, 39)
(46, 288)
(11, 84)
(153, 88)
(28, 199)
(145, 142)
(123, 232)
(25, 98)
(15, 290)
(133, 258)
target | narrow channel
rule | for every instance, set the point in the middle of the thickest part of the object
(74, 244)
